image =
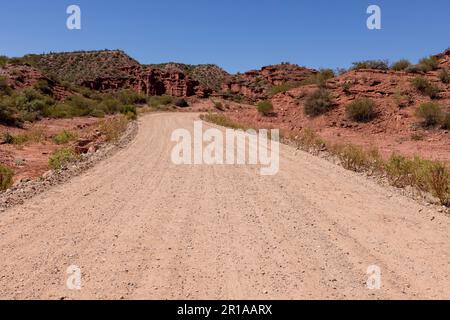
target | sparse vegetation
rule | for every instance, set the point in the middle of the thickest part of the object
(129, 112)
(319, 78)
(64, 137)
(444, 76)
(6, 177)
(371, 64)
(113, 128)
(353, 157)
(35, 135)
(61, 158)
(160, 101)
(426, 175)
(361, 110)
(317, 103)
(402, 100)
(222, 120)
(428, 64)
(401, 65)
(430, 113)
(130, 97)
(5, 89)
(282, 88)
(346, 86)
(265, 107)
(425, 87)
(309, 141)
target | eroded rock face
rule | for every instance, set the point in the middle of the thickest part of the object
(255, 84)
(151, 81)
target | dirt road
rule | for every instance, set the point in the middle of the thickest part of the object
(141, 227)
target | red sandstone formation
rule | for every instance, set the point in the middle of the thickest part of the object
(24, 76)
(255, 84)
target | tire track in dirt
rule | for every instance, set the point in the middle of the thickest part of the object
(141, 227)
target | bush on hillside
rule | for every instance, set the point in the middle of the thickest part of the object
(430, 113)
(425, 87)
(318, 102)
(444, 76)
(6, 177)
(361, 110)
(265, 107)
(428, 64)
(61, 158)
(371, 64)
(401, 65)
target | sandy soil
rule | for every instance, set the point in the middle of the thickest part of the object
(141, 227)
(34, 156)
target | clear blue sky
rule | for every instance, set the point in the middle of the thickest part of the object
(237, 35)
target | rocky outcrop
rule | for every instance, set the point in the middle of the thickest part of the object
(256, 84)
(20, 76)
(151, 81)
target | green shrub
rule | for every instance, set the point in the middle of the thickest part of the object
(43, 86)
(8, 114)
(346, 86)
(438, 179)
(110, 105)
(399, 171)
(425, 175)
(61, 158)
(64, 137)
(401, 65)
(265, 107)
(35, 135)
(428, 64)
(402, 100)
(319, 78)
(58, 111)
(6, 177)
(323, 76)
(129, 111)
(282, 88)
(221, 120)
(371, 64)
(444, 76)
(361, 110)
(430, 113)
(97, 113)
(309, 140)
(353, 157)
(130, 97)
(157, 101)
(5, 89)
(79, 106)
(112, 129)
(7, 138)
(318, 102)
(425, 87)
